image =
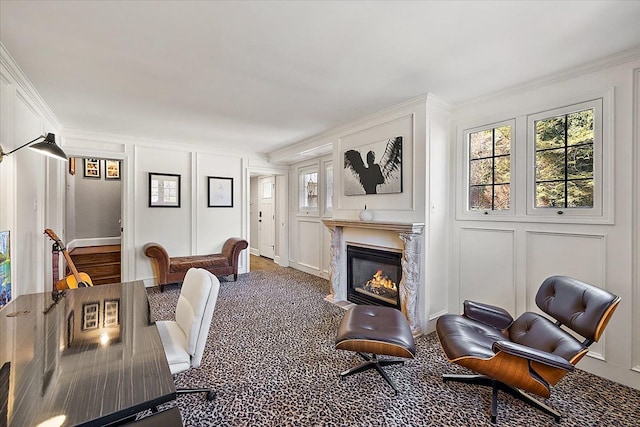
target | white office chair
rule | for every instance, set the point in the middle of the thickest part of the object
(185, 338)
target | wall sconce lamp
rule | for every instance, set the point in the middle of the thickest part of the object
(47, 147)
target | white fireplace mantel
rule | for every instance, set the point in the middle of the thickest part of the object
(409, 232)
(399, 227)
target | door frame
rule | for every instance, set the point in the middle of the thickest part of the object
(274, 201)
(281, 210)
(127, 251)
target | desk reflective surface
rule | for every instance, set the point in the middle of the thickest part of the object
(89, 358)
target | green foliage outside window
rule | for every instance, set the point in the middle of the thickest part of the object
(564, 161)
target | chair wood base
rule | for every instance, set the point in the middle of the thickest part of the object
(372, 362)
(210, 393)
(496, 385)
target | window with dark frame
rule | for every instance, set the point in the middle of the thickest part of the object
(490, 169)
(564, 161)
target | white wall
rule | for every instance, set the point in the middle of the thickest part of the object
(309, 241)
(503, 261)
(27, 180)
(97, 204)
(191, 229)
(423, 124)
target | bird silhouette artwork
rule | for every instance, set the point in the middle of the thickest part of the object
(382, 172)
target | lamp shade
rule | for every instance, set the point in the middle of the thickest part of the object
(49, 148)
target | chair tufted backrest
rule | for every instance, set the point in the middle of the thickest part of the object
(194, 310)
(584, 308)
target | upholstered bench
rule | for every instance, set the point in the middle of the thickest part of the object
(169, 270)
(379, 331)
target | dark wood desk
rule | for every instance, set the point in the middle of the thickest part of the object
(93, 356)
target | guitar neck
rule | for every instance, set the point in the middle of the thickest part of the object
(72, 267)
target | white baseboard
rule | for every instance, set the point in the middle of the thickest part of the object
(254, 251)
(309, 270)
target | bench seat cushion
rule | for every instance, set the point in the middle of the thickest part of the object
(184, 263)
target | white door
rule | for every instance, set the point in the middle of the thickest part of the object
(267, 217)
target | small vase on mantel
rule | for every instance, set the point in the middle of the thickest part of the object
(366, 215)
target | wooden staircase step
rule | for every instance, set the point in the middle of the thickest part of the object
(95, 254)
(106, 280)
(99, 269)
(101, 263)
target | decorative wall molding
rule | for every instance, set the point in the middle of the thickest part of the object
(512, 232)
(635, 250)
(584, 69)
(14, 75)
(597, 351)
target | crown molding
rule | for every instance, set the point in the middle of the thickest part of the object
(78, 138)
(18, 78)
(619, 58)
(317, 144)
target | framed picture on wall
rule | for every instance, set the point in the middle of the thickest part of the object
(92, 168)
(90, 315)
(164, 190)
(374, 168)
(5, 268)
(112, 169)
(111, 313)
(220, 192)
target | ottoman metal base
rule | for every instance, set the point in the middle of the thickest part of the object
(375, 330)
(371, 363)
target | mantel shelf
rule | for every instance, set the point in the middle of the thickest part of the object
(399, 227)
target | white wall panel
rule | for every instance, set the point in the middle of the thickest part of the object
(635, 341)
(170, 227)
(28, 241)
(402, 126)
(487, 267)
(581, 256)
(210, 237)
(564, 245)
(308, 238)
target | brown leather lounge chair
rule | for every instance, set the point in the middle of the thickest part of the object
(531, 353)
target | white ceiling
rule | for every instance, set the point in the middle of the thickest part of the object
(262, 75)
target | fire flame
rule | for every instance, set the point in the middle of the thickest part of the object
(379, 281)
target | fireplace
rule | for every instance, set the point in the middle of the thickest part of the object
(373, 276)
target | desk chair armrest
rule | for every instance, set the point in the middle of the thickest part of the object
(490, 315)
(533, 354)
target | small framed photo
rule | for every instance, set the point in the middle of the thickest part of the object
(72, 165)
(111, 313)
(112, 169)
(90, 315)
(164, 190)
(220, 192)
(92, 168)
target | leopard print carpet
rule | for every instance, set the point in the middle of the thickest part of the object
(270, 358)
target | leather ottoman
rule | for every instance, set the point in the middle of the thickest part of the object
(376, 330)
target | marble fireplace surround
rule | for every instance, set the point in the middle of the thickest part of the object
(410, 233)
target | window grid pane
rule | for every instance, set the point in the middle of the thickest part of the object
(490, 169)
(564, 161)
(309, 190)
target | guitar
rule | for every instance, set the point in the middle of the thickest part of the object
(74, 280)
